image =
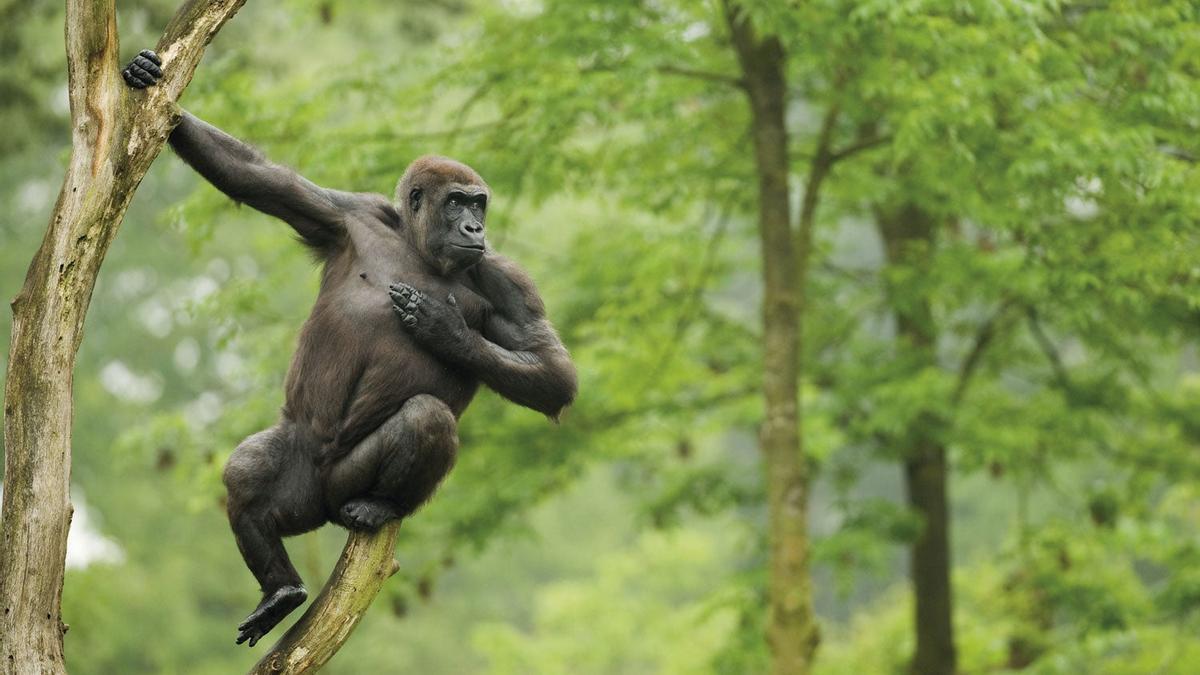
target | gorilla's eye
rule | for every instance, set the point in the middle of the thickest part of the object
(454, 201)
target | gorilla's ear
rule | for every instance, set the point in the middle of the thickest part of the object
(414, 199)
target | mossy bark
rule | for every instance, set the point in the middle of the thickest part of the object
(365, 564)
(792, 631)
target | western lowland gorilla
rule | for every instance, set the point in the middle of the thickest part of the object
(413, 312)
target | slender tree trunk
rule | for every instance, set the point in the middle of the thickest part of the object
(925, 475)
(908, 234)
(116, 134)
(792, 629)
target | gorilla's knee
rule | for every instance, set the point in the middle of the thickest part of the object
(252, 464)
(434, 423)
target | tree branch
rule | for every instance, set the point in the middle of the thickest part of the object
(858, 146)
(970, 364)
(308, 645)
(1052, 356)
(719, 78)
(115, 135)
(819, 166)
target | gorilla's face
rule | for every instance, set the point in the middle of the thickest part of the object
(456, 236)
(447, 202)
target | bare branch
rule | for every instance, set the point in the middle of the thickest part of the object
(308, 645)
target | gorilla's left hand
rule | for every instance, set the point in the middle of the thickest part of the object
(437, 325)
(143, 71)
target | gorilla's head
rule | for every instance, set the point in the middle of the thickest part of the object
(444, 203)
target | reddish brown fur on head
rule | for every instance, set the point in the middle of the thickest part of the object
(430, 174)
(426, 220)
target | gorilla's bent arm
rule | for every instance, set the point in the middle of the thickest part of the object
(242, 172)
(518, 354)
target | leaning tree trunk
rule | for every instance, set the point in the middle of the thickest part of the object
(116, 134)
(365, 564)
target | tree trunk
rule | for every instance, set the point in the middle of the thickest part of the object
(908, 236)
(116, 134)
(791, 629)
(308, 645)
(925, 477)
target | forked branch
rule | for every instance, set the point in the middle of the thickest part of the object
(115, 137)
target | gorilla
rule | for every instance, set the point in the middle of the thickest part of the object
(414, 311)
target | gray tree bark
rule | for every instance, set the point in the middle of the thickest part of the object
(116, 134)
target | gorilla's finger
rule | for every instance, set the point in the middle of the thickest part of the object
(254, 640)
(406, 317)
(407, 290)
(132, 80)
(136, 70)
(151, 55)
(148, 66)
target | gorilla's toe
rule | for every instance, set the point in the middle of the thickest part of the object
(367, 514)
(270, 612)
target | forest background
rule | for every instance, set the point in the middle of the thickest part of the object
(994, 295)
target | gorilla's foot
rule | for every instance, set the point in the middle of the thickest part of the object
(367, 514)
(269, 612)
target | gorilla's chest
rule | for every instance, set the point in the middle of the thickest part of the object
(363, 289)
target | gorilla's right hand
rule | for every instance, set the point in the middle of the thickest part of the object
(143, 71)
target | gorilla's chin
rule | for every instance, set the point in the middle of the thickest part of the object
(461, 257)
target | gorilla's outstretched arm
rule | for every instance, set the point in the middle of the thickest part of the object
(242, 172)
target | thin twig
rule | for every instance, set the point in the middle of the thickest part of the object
(728, 80)
(858, 146)
(983, 338)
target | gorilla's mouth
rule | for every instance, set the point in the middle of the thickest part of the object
(467, 247)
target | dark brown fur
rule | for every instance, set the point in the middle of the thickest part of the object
(413, 313)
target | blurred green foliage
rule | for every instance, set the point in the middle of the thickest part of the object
(1052, 143)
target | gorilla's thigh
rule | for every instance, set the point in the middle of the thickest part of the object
(402, 461)
(270, 476)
